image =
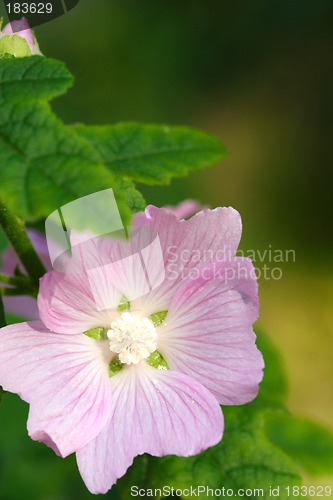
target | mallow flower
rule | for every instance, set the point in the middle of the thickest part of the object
(17, 39)
(125, 362)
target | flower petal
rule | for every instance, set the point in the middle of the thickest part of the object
(63, 377)
(154, 411)
(81, 298)
(208, 331)
(186, 245)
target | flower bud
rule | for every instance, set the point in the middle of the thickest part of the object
(17, 40)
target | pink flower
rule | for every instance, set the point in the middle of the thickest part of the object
(22, 305)
(21, 28)
(153, 366)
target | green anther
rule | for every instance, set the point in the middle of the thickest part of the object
(156, 360)
(158, 318)
(124, 304)
(97, 333)
(115, 366)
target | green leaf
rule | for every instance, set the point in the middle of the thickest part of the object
(33, 78)
(244, 459)
(133, 198)
(153, 154)
(45, 164)
(308, 443)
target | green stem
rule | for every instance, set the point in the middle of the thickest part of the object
(2, 323)
(15, 231)
(13, 292)
(15, 280)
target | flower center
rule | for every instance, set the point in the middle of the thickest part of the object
(132, 338)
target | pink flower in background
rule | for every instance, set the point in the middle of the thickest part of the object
(185, 208)
(21, 27)
(24, 306)
(149, 374)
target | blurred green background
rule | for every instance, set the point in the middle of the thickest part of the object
(259, 76)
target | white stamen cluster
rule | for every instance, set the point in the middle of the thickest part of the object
(132, 338)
